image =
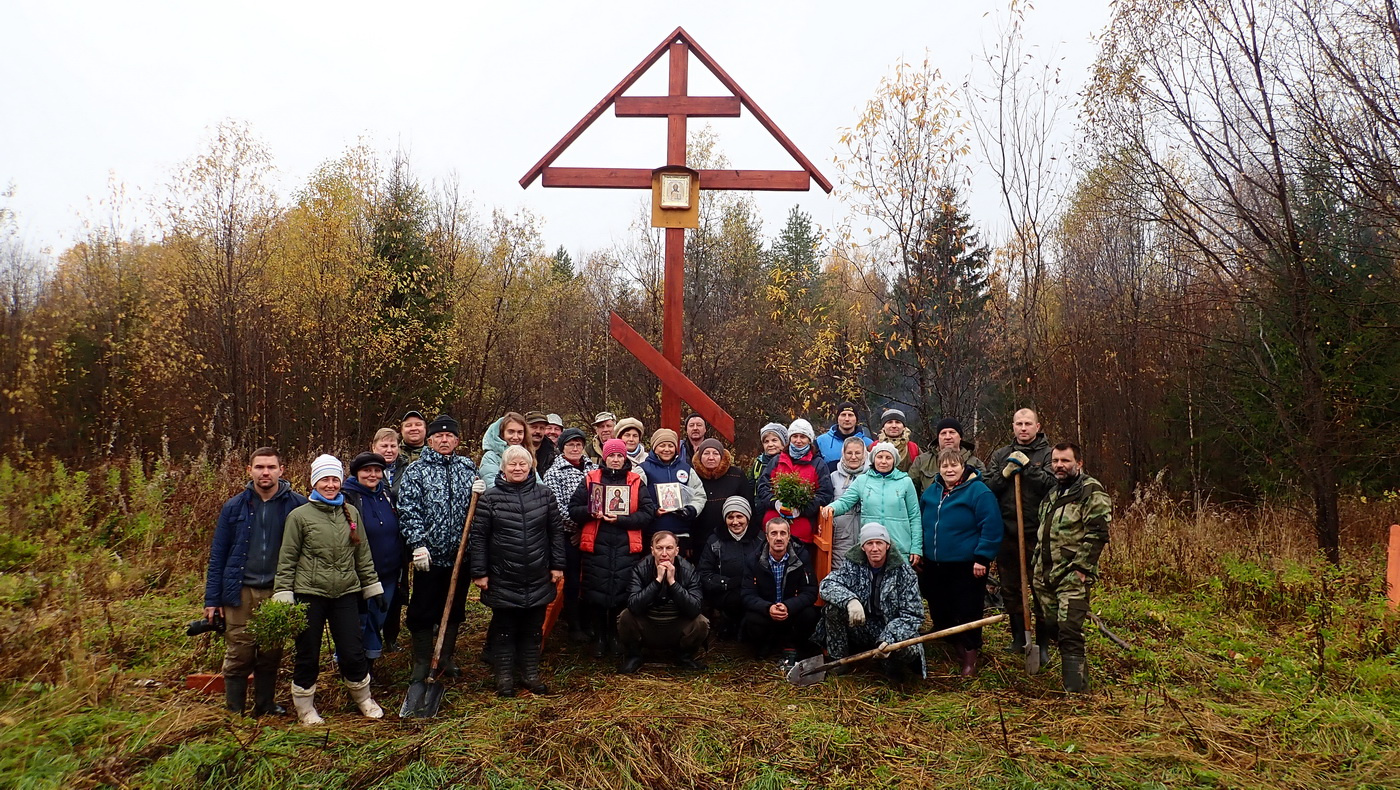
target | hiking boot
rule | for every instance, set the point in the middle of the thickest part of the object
(1074, 673)
(235, 693)
(304, 700)
(265, 693)
(359, 692)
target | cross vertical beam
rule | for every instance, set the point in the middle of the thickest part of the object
(673, 292)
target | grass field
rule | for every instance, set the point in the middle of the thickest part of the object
(1254, 665)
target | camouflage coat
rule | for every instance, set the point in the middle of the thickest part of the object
(433, 500)
(1074, 521)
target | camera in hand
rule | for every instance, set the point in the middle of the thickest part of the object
(202, 626)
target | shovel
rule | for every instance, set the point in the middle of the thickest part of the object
(811, 671)
(425, 696)
(1032, 650)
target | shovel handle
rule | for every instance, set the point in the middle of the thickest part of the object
(918, 640)
(452, 586)
(1021, 557)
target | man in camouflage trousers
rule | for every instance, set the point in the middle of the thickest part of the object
(1074, 518)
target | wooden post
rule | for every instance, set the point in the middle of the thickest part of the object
(673, 290)
(1392, 568)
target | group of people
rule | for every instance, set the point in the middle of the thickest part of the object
(657, 545)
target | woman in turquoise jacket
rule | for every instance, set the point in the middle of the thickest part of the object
(886, 496)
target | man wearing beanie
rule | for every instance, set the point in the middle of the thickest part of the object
(799, 458)
(433, 501)
(242, 567)
(894, 431)
(847, 425)
(722, 562)
(872, 600)
(924, 470)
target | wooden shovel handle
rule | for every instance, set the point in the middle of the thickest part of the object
(452, 585)
(1021, 555)
(957, 629)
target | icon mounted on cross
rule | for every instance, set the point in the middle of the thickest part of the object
(675, 107)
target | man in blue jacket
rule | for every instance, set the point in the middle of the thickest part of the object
(847, 425)
(242, 565)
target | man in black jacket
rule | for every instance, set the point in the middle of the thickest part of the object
(663, 607)
(1028, 456)
(723, 561)
(780, 594)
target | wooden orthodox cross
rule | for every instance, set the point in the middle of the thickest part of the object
(675, 197)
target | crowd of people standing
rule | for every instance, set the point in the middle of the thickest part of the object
(655, 546)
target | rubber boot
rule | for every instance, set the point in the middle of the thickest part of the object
(304, 700)
(527, 649)
(614, 646)
(969, 662)
(359, 691)
(1018, 634)
(573, 615)
(422, 654)
(600, 633)
(447, 666)
(235, 693)
(1074, 673)
(265, 694)
(503, 662)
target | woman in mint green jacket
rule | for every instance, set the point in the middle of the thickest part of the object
(886, 496)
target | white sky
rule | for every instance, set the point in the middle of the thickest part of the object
(470, 90)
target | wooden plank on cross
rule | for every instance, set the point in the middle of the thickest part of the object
(637, 178)
(692, 106)
(671, 376)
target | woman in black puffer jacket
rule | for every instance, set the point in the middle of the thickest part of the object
(517, 558)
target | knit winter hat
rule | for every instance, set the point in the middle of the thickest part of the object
(614, 446)
(709, 444)
(628, 422)
(737, 504)
(776, 428)
(444, 424)
(326, 466)
(883, 447)
(847, 405)
(803, 427)
(874, 531)
(949, 422)
(661, 436)
(366, 459)
(892, 414)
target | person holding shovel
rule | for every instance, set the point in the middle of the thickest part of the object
(1074, 519)
(433, 501)
(326, 563)
(872, 600)
(1027, 457)
(516, 558)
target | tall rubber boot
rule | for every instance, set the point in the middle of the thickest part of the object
(614, 646)
(359, 691)
(304, 700)
(503, 662)
(449, 649)
(969, 662)
(422, 654)
(573, 615)
(1075, 674)
(236, 693)
(527, 648)
(265, 694)
(1018, 634)
(600, 633)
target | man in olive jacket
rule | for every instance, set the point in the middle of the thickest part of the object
(1074, 519)
(1028, 456)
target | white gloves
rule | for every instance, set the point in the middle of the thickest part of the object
(285, 596)
(855, 613)
(422, 558)
(479, 487)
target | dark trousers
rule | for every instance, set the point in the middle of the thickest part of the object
(430, 596)
(394, 620)
(683, 636)
(343, 616)
(1009, 571)
(764, 633)
(954, 597)
(728, 605)
(573, 572)
(516, 626)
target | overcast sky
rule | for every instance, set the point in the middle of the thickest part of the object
(470, 91)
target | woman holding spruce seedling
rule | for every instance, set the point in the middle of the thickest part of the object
(796, 484)
(326, 564)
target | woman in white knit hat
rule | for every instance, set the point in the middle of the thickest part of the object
(326, 564)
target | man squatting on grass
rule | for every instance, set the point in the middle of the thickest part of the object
(758, 577)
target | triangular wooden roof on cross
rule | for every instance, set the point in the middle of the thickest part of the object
(726, 106)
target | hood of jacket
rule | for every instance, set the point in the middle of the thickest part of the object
(353, 484)
(491, 441)
(715, 474)
(284, 488)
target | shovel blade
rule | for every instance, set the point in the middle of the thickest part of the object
(422, 701)
(1032, 656)
(808, 671)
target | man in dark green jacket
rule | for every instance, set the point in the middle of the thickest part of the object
(1074, 519)
(1028, 456)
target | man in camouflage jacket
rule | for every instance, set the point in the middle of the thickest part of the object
(1074, 519)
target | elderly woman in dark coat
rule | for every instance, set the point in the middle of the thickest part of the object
(517, 558)
(610, 543)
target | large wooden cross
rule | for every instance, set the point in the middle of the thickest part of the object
(675, 107)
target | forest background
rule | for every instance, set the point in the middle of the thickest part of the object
(1198, 287)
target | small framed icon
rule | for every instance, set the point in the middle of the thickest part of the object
(675, 190)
